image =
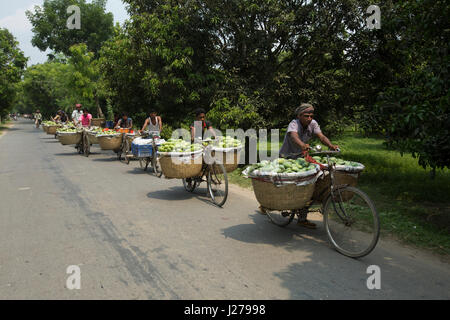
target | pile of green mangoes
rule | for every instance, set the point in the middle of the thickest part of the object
(107, 132)
(49, 123)
(71, 130)
(337, 161)
(282, 165)
(227, 142)
(95, 130)
(179, 145)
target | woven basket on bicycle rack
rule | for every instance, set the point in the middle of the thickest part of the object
(44, 128)
(92, 137)
(97, 122)
(52, 129)
(112, 142)
(68, 138)
(228, 157)
(282, 197)
(322, 189)
(181, 165)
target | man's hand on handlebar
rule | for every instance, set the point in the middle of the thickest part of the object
(305, 147)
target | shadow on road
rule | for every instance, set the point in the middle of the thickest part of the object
(291, 237)
(173, 193)
(112, 159)
(74, 153)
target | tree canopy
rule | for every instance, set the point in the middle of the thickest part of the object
(50, 29)
(12, 64)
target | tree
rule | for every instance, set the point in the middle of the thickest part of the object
(413, 107)
(50, 25)
(12, 64)
(44, 87)
(84, 78)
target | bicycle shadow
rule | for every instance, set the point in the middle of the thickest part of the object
(179, 193)
(291, 238)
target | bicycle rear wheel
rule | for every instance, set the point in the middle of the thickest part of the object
(351, 222)
(218, 184)
(190, 184)
(280, 218)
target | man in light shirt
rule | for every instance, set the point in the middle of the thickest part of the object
(300, 131)
(76, 114)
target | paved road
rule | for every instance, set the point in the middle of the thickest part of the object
(135, 236)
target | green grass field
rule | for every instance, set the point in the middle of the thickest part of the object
(413, 207)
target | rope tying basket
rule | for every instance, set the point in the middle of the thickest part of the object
(110, 142)
(68, 138)
(181, 165)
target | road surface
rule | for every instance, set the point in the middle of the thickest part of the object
(134, 236)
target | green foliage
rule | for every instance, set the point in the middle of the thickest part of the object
(12, 64)
(413, 107)
(50, 30)
(242, 113)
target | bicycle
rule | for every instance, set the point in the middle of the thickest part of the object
(153, 159)
(350, 217)
(216, 178)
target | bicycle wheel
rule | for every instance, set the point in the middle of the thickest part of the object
(218, 184)
(280, 218)
(86, 145)
(190, 184)
(351, 222)
(122, 154)
(143, 162)
(156, 166)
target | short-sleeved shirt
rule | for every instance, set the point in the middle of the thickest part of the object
(85, 119)
(205, 126)
(76, 115)
(289, 146)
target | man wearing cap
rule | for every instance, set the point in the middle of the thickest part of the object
(76, 114)
(299, 132)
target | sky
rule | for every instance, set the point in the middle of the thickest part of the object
(12, 17)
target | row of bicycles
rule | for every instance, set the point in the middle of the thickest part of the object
(350, 219)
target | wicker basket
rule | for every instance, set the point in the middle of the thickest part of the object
(44, 128)
(70, 138)
(284, 197)
(322, 188)
(92, 137)
(110, 142)
(97, 122)
(230, 159)
(52, 129)
(175, 169)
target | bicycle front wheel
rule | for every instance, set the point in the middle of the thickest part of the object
(351, 222)
(218, 184)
